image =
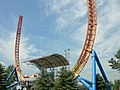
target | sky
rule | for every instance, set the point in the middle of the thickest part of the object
(52, 26)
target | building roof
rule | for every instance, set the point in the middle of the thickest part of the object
(51, 61)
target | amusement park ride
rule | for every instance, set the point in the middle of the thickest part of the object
(83, 58)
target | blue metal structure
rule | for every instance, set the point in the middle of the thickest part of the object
(17, 80)
(86, 82)
(14, 84)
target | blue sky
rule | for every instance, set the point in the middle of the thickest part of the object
(51, 26)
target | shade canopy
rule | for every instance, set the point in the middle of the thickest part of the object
(51, 61)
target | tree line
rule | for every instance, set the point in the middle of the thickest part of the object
(65, 79)
(3, 76)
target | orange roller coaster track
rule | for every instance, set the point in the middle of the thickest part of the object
(90, 38)
(17, 43)
(87, 48)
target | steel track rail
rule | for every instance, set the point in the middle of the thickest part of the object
(90, 38)
(17, 43)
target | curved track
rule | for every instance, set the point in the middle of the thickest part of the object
(87, 48)
(16, 60)
(90, 37)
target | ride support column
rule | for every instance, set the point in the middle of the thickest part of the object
(93, 70)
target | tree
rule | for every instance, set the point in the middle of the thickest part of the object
(116, 85)
(82, 87)
(65, 80)
(115, 63)
(2, 77)
(8, 70)
(43, 82)
(100, 83)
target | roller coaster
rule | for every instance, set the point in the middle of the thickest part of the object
(87, 50)
(90, 37)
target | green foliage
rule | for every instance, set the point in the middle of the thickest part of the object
(43, 82)
(65, 81)
(116, 85)
(115, 63)
(2, 77)
(118, 54)
(100, 83)
(82, 87)
(8, 70)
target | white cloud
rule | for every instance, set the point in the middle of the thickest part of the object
(108, 33)
(7, 48)
(26, 49)
(100, 3)
(68, 16)
(76, 8)
(7, 42)
(67, 12)
(108, 28)
(7, 52)
(79, 34)
(29, 69)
